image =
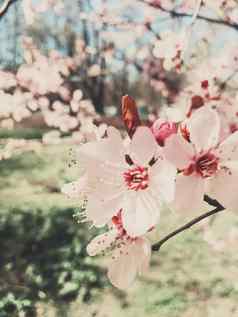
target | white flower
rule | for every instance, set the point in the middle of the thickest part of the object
(135, 179)
(130, 256)
(207, 165)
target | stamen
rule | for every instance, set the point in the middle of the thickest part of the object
(204, 164)
(137, 178)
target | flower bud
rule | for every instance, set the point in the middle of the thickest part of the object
(130, 115)
(162, 130)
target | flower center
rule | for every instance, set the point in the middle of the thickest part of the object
(205, 165)
(136, 178)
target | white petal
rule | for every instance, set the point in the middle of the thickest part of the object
(143, 146)
(123, 269)
(141, 211)
(228, 149)
(189, 193)
(162, 179)
(114, 135)
(223, 187)
(143, 254)
(178, 151)
(101, 242)
(100, 212)
(107, 191)
(109, 151)
(204, 128)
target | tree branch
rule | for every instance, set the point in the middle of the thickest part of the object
(212, 202)
(6, 5)
(175, 14)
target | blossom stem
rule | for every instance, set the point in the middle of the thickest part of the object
(175, 14)
(198, 6)
(5, 6)
(212, 202)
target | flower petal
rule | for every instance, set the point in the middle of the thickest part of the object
(101, 211)
(123, 268)
(228, 149)
(178, 151)
(204, 128)
(163, 176)
(101, 242)
(223, 187)
(143, 254)
(141, 211)
(189, 193)
(109, 151)
(143, 146)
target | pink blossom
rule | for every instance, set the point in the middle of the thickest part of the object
(135, 179)
(130, 256)
(206, 165)
(170, 48)
(162, 129)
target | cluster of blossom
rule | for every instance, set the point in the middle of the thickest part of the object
(207, 85)
(126, 182)
(170, 48)
(88, 132)
(174, 47)
(32, 90)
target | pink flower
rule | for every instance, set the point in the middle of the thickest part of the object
(206, 165)
(135, 179)
(130, 256)
(162, 129)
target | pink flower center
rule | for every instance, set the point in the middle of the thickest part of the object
(137, 178)
(205, 165)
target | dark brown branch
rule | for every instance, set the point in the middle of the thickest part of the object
(212, 202)
(176, 14)
(5, 6)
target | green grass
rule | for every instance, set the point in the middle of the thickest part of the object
(20, 133)
(187, 277)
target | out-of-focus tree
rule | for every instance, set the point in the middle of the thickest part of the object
(109, 49)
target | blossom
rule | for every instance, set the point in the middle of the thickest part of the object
(162, 129)
(130, 256)
(171, 47)
(206, 165)
(134, 178)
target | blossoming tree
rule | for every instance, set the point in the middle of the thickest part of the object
(185, 159)
(184, 156)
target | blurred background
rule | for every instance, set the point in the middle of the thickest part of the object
(64, 66)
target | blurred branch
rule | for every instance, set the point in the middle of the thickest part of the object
(224, 83)
(210, 201)
(5, 6)
(175, 14)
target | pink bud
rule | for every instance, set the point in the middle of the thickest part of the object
(162, 130)
(233, 127)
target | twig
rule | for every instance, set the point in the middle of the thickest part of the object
(196, 12)
(175, 14)
(212, 202)
(6, 5)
